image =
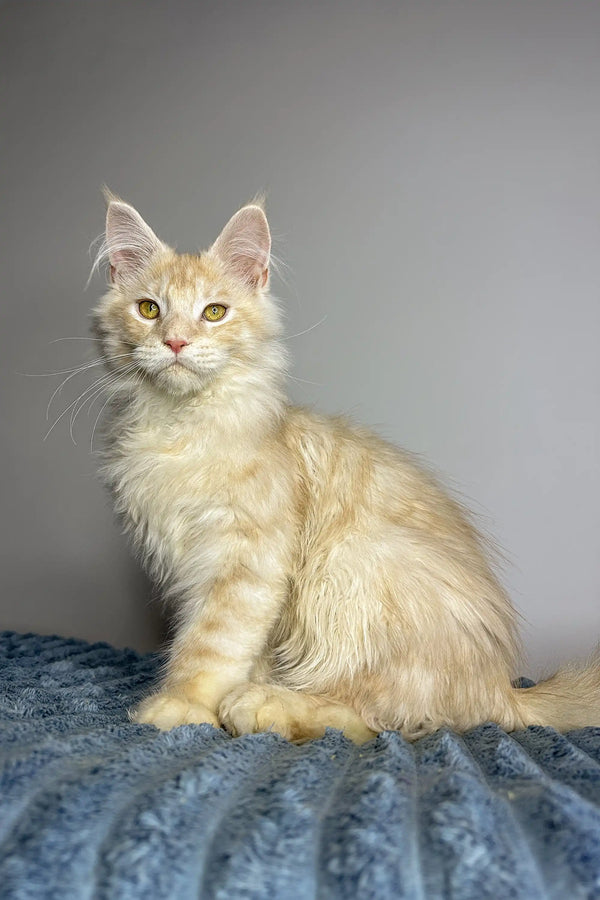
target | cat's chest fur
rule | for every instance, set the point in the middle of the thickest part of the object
(172, 488)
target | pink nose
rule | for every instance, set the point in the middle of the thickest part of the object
(176, 344)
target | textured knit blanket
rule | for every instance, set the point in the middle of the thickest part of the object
(92, 806)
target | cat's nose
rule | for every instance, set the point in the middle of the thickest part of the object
(176, 344)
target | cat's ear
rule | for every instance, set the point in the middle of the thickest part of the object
(244, 246)
(130, 243)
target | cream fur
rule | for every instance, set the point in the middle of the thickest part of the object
(320, 575)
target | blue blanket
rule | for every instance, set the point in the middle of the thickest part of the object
(92, 806)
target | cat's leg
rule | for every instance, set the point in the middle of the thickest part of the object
(218, 641)
(295, 715)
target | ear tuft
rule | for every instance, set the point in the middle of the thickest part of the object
(244, 246)
(110, 196)
(130, 243)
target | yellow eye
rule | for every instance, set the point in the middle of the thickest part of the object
(149, 309)
(214, 312)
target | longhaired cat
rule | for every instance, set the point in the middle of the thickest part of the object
(320, 576)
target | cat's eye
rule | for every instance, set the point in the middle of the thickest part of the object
(149, 309)
(214, 312)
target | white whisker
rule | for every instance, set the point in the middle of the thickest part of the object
(84, 368)
(96, 362)
(95, 390)
(138, 379)
(305, 381)
(99, 340)
(107, 375)
(70, 406)
(64, 381)
(306, 330)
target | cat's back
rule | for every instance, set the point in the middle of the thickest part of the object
(336, 456)
(351, 468)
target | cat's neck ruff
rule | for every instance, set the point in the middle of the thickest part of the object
(243, 405)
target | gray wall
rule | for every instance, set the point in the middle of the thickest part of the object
(433, 171)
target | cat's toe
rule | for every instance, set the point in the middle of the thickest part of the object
(237, 711)
(166, 712)
(356, 731)
(250, 708)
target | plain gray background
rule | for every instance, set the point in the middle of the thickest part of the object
(433, 178)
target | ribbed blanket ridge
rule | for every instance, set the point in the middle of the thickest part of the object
(92, 806)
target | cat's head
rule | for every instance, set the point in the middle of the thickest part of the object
(181, 321)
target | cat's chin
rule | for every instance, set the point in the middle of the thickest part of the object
(179, 381)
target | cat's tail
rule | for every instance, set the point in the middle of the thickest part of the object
(569, 699)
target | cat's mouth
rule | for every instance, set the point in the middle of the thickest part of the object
(184, 365)
(182, 374)
(178, 374)
(177, 364)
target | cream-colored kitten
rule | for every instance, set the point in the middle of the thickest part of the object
(321, 577)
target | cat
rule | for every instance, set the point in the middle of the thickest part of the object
(321, 577)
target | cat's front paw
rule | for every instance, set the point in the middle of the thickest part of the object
(167, 711)
(250, 707)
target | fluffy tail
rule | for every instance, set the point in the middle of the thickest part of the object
(569, 699)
